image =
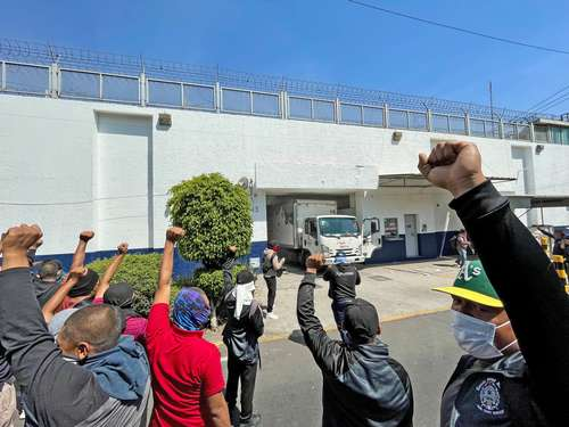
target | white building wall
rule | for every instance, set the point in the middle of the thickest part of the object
(54, 163)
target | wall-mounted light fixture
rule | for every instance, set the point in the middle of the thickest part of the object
(164, 120)
(539, 149)
(397, 136)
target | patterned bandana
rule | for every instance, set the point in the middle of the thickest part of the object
(190, 311)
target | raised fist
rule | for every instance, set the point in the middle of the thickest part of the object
(123, 248)
(315, 261)
(77, 272)
(454, 166)
(86, 235)
(174, 233)
(20, 238)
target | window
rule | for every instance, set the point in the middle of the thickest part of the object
(311, 227)
(391, 228)
(338, 227)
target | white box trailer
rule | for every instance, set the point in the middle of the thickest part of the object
(305, 227)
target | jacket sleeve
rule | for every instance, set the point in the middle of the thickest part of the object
(358, 279)
(227, 266)
(58, 392)
(256, 321)
(326, 351)
(528, 285)
(328, 274)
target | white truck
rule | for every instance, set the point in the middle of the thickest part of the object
(306, 227)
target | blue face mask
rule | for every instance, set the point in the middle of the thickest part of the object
(477, 337)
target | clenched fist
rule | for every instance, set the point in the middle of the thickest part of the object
(454, 166)
(86, 235)
(174, 233)
(123, 248)
(20, 238)
(314, 262)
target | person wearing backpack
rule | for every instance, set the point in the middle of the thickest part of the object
(240, 335)
(272, 268)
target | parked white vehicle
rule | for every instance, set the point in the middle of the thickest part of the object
(306, 227)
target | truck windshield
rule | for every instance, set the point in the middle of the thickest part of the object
(338, 227)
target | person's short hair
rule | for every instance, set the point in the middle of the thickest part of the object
(99, 325)
(48, 270)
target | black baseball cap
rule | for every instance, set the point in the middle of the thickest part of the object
(361, 321)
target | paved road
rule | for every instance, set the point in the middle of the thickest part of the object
(288, 390)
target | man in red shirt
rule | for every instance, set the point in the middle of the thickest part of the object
(187, 378)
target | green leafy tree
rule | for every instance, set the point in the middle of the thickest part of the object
(215, 214)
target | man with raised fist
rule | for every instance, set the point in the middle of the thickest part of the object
(513, 320)
(362, 384)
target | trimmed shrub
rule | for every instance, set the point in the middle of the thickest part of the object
(215, 214)
(139, 271)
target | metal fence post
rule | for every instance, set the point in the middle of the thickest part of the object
(429, 123)
(467, 124)
(54, 88)
(3, 76)
(218, 97)
(337, 110)
(283, 104)
(501, 129)
(531, 134)
(142, 89)
(386, 117)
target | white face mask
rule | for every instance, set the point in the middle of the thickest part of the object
(476, 336)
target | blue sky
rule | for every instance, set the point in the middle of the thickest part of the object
(331, 41)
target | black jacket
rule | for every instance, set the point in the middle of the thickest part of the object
(343, 279)
(241, 335)
(362, 386)
(537, 305)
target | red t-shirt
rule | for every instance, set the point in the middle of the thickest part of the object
(185, 369)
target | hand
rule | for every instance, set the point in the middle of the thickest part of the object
(174, 233)
(20, 238)
(123, 248)
(86, 235)
(37, 244)
(314, 262)
(454, 166)
(76, 273)
(233, 248)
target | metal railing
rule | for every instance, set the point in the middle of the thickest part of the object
(78, 74)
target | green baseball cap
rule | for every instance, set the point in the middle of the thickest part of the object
(473, 285)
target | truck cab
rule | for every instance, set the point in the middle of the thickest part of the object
(339, 238)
